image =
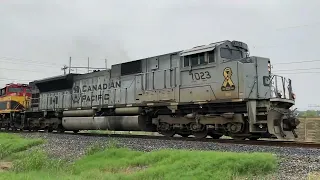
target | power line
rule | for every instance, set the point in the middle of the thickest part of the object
(297, 62)
(299, 73)
(286, 28)
(29, 63)
(6, 59)
(9, 79)
(298, 26)
(296, 69)
(34, 71)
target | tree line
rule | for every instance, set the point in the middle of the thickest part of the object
(309, 113)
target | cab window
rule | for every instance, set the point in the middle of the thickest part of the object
(2, 92)
(14, 90)
(230, 53)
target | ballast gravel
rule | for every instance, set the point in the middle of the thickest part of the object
(295, 163)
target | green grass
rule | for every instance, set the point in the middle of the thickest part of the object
(113, 162)
(120, 163)
(11, 143)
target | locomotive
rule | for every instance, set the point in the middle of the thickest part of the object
(13, 99)
(209, 90)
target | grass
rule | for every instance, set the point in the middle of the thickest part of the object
(120, 163)
(11, 143)
(113, 162)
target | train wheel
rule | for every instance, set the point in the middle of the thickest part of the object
(215, 136)
(238, 138)
(200, 134)
(166, 130)
(60, 129)
(199, 130)
(75, 131)
(253, 138)
(46, 129)
(169, 133)
(184, 135)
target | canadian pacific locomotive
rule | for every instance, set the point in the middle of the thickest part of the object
(210, 90)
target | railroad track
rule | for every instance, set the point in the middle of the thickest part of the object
(262, 142)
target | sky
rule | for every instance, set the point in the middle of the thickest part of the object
(37, 37)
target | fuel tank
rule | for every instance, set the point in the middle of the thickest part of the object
(79, 113)
(115, 123)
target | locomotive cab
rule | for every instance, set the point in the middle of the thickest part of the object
(210, 65)
(219, 52)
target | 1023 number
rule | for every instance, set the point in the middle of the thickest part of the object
(200, 75)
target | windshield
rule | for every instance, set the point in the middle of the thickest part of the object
(14, 90)
(230, 53)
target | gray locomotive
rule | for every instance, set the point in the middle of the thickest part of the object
(210, 90)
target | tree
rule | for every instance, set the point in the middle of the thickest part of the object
(309, 113)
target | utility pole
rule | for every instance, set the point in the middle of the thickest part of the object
(70, 65)
(106, 63)
(88, 65)
(64, 68)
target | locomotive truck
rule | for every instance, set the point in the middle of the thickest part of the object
(210, 90)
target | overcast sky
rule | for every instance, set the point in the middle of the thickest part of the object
(38, 36)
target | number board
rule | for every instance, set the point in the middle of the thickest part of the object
(202, 75)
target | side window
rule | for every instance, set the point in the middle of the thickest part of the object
(194, 60)
(230, 53)
(186, 61)
(211, 56)
(2, 91)
(201, 58)
(3, 105)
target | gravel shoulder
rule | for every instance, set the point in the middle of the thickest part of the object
(295, 163)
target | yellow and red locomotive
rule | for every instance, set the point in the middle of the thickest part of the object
(14, 98)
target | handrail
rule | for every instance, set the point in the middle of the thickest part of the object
(280, 87)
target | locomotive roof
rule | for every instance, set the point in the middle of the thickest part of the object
(194, 50)
(202, 48)
(59, 77)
